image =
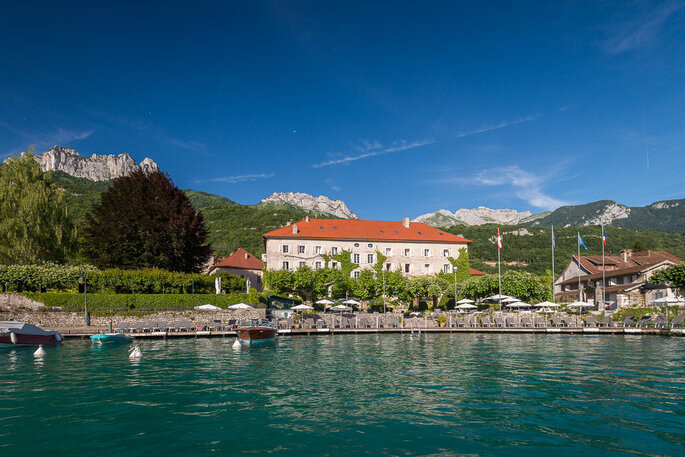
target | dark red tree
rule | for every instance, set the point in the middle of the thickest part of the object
(144, 221)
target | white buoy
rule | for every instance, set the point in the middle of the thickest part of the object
(136, 353)
(237, 344)
(40, 352)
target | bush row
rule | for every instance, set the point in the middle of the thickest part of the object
(135, 304)
(149, 281)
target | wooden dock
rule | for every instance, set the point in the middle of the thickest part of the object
(83, 333)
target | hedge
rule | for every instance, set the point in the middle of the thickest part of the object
(52, 277)
(136, 304)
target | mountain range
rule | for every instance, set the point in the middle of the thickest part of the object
(83, 176)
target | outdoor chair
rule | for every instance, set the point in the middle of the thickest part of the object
(678, 320)
(557, 322)
(159, 326)
(510, 322)
(658, 322)
(459, 322)
(538, 322)
(628, 322)
(567, 321)
(643, 321)
(140, 327)
(121, 327)
(309, 323)
(499, 322)
(526, 322)
(485, 322)
(591, 321)
(607, 321)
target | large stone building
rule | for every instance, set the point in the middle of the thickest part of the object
(627, 278)
(410, 247)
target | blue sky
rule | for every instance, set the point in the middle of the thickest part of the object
(398, 108)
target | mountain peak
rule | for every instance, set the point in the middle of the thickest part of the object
(96, 167)
(473, 216)
(300, 200)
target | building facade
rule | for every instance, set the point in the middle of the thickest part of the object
(627, 279)
(243, 264)
(413, 248)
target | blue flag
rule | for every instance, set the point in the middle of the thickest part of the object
(554, 244)
(580, 242)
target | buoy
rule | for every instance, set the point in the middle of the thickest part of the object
(237, 344)
(58, 337)
(13, 337)
(136, 353)
(40, 352)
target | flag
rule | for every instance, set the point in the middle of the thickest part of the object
(580, 242)
(554, 244)
(604, 237)
(499, 240)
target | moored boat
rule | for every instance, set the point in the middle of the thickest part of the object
(256, 333)
(16, 334)
(105, 338)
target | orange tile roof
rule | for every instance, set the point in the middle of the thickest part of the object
(240, 259)
(474, 272)
(351, 229)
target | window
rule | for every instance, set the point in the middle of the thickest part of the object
(369, 258)
(388, 266)
(406, 268)
(286, 249)
(356, 245)
(355, 258)
(317, 265)
(426, 252)
(370, 245)
(286, 265)
(355, 274)
(334, 250)
(445, 252)
(317, 249)
(334, 264)
(302, 264)
(407, 252)
(427, 268)
(300, 249)
(446, 268)
(388, 251)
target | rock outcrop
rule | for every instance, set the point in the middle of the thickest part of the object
(96, 167)
(299, 200)
(473, 216)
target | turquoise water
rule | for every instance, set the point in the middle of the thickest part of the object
(477, 394)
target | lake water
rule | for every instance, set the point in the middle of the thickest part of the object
(438, 394)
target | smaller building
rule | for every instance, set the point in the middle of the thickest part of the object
(241, 263)
(627, 278)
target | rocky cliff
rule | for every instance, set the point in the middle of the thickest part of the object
(96, 167)
(298, 200)
(474, 216)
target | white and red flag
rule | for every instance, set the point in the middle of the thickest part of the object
(499, 240)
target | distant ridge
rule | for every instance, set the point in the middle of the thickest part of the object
(320, 205)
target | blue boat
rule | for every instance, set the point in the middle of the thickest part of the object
(105, 338)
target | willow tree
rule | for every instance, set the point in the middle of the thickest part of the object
(35, 224)
(144, 221)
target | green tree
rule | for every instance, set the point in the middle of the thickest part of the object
(35, 224)
(638, 246)
(673, 275)
(144, 221)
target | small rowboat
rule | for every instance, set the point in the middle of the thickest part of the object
(105, 338)
(256, 334)
(14, 334)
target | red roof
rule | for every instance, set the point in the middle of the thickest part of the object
(240, 259)
(474, 272)
(350, 229)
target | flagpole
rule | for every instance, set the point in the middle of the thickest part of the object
(499, 269)
(580, 297)
(604, 284)
(553, 299)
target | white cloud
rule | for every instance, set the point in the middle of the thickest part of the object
(373, 149)
(332, 184)
(501, 125)
(59, 136)
(641, 31)
(527, 186)
(242, 178)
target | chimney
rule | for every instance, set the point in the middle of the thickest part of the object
(626, 254)
(247, 256)
(306, 218)
(405, 222)
(294, 229)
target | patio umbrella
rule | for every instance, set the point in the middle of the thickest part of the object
(465, 301)
(518, 305)
(547, 304)
(302, 307)
(665, 301)
(510, 300)
(324, 301)
(240, 306)
(351, 301)
(579, 304)
(497, 297)
(208, 307)
(341, 308)
(466, 306)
